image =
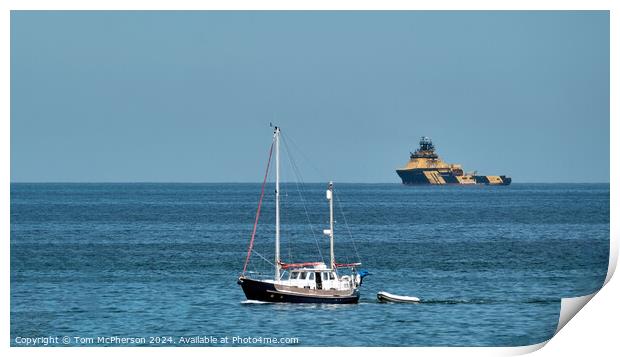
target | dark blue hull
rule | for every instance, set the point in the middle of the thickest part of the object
(264, 291)
(418, 177)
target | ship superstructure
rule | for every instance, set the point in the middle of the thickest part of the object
(425, 167)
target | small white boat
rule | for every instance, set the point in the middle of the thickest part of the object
(387, 297)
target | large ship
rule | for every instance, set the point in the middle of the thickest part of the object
(425, 167)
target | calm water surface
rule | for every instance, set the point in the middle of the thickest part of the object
(140, 260)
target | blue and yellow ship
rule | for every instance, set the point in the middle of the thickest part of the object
(426, 168)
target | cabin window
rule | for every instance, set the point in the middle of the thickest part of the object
(294, 275)
(311, 277)
(333, 276)
(302, 275)
(325, 276)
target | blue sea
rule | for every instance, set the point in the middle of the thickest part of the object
(157, 264)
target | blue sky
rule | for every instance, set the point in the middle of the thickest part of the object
(188, 96)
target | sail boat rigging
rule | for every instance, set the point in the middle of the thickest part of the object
(306, 282)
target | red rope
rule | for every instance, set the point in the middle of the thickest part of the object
(260, 202)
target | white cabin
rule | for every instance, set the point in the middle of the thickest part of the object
(317, 278)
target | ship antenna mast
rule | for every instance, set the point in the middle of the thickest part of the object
(276, 135)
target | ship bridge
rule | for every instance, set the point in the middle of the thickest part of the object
(426, 149)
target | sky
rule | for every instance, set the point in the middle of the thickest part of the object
(188, 96)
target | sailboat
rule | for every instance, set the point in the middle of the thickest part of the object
(306, 282)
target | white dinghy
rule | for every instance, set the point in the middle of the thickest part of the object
(387, 297)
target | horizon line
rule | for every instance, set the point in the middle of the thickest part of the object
(283, 182)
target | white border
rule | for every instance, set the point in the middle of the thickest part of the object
(308, 5)
(597, 324)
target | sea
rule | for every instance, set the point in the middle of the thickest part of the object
(150, 264)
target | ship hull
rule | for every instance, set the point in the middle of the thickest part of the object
(434, 177)
(268, 292)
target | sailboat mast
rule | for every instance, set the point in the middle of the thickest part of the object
(276, 134)
(330, 197)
